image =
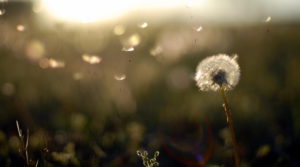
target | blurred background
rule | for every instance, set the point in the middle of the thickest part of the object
(95, 81)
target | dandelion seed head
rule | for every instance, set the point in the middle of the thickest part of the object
(218, 71)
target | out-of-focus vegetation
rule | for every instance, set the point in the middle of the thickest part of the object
(93, 94)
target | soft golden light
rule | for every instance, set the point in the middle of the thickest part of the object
(98, 10)
(87, 10)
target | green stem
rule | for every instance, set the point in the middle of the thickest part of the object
(231, 128)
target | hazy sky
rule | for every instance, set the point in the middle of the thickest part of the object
(223, 11)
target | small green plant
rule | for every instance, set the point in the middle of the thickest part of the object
(147, 162)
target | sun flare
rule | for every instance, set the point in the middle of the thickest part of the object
(98, 10)
(87, 10)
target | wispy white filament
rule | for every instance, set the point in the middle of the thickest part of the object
(218, 71)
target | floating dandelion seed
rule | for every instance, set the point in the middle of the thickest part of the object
(268, 19)
(2, 12)
(120, 77)
(128, 49)
(156, 51)
(130, 42)
(51, 63)
(198, 29)
(92, 59)
(143, 25)
(218, 71)
(56, 63)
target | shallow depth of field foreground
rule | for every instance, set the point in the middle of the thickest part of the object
(140, 83)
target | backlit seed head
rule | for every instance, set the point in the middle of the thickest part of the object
(218, 71)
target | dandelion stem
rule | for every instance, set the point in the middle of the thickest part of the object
(24, 144)
(231, 128)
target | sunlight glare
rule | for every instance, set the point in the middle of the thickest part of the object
(87, 10)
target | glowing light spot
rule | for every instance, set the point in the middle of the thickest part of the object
(268, 19)
(8, 89)
(2, 12)
(37, 7)
(78, 121)
(56, 63)
(35, 50)
(128, 49)
(21, 27)
(119, 30)
(92, 59)
(77, 76)
(263, 151)
(133, 40)
(156, 51)
(120, 77)
(143, 25)
(198, 29)
(130, 42)
(51, 63)
(88, 10)
(189, 4)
